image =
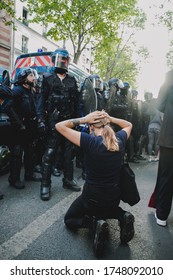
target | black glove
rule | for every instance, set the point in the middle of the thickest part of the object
(41, 127)
(5, 91)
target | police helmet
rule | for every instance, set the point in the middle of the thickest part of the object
(126, 85)
(134, 93)
(148, 95)
(22, 75)
(105, 86)
(96, 81)
(61, 59)
(116, 82)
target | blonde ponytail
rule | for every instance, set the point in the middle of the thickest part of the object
(109, 139)
(108, 134)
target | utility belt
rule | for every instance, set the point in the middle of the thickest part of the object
(59, 115)
(30, 119)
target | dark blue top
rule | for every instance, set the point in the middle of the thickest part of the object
(102, 166)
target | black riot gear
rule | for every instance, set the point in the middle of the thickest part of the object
(115, 82)
(117, 103)
(4, 159)
(60, 102)
(98, 87)
(22, 77)
(97, 82)
(125, 89)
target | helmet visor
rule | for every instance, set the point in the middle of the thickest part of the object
(61, 61)
(97, 83)
(120, 84)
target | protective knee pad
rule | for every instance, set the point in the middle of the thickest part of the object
(48, 156)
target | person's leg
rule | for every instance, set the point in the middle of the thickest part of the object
(156, 144)
(68, 180)
(164, 190)
(47, 162)
(126, 222)
(29, 163)
(77, 215)
(15, 167)
(150, 144)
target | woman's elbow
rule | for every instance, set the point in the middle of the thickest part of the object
(57, 126)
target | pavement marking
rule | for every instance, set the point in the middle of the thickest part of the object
(22, 239)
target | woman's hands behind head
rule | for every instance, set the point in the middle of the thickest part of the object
(94, 117)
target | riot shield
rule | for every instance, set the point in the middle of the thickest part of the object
(111, 101)
(117, 104)
(88, 98)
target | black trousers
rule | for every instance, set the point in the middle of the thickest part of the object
(82, 206)
(54, 141)
(164, 184)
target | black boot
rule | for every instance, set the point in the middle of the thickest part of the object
(126, 227)
(45, 189)
(56, 172)
(17, 184)
(70, 184)
(100, 237)
(37, 168)
(45, 192)
(32, 177)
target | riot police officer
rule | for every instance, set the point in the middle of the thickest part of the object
(135, 119)
(61, 102)
(5, 104)
(116, 104)
(22, 148)
(9, 116)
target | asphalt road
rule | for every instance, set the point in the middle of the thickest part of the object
(31, 229)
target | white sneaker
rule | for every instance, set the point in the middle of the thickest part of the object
(150, 159)
(160, 222)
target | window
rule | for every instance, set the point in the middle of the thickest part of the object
(25, 16)
(44, 49)
(24, 44)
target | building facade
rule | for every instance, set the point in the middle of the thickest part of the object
(31, 37)
(5, 42)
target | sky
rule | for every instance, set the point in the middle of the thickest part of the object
(156, 39)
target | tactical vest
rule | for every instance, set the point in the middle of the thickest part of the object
(62, 97)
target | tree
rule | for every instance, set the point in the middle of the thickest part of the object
(165, 17)
(8, 6)
(118, 59)
(81, 20)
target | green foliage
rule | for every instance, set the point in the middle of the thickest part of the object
(117, 63)
(81, 20)
(8, 6)
(114, 56)
(167, 19)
